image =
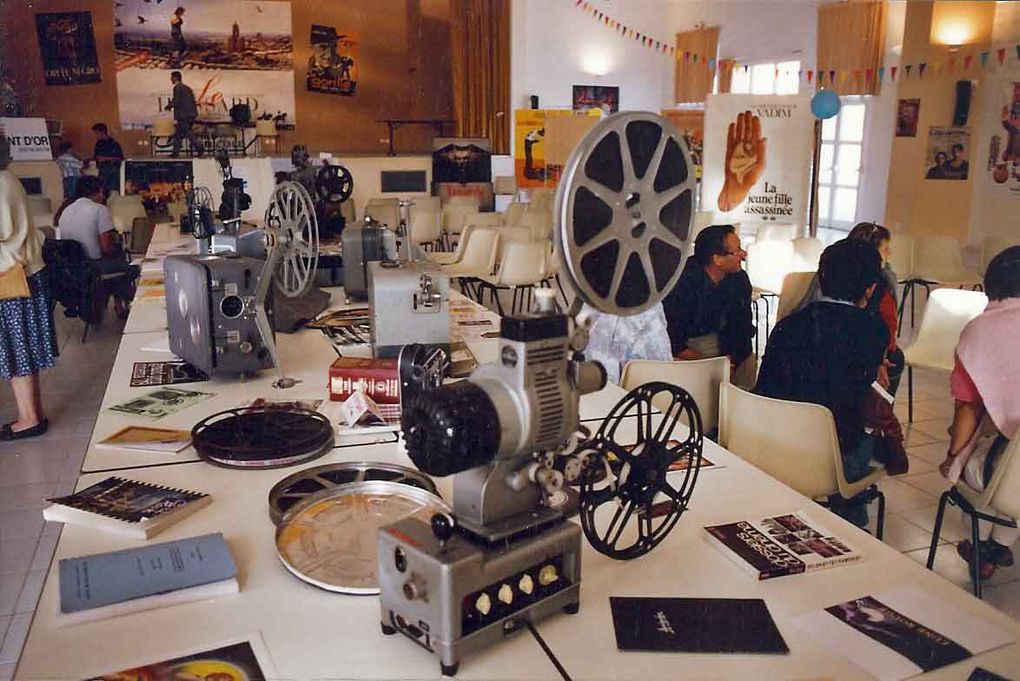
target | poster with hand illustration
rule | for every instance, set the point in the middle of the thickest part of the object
(757, 155)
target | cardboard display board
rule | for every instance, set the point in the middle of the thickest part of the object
(28, 138)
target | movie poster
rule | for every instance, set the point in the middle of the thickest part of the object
(948, 154)
(758, 151)
(1003, 165)
(462, 166)
(690, 123)
(229, 52)
(333, 66)
(68, 48)
(907, 114)
(602, 97)
(531, 167)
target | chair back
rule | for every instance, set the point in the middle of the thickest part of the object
(902, 259)
(539, 222)
(263, 128)
(699, 377)
(470, 201)
(1003, 489)
(514, 214)
(522, 263)
(939, 258)
(432, 204)
(768, 262)
(72, 277)
(479, 255)
(807, 251)
(124, 210)
(479, 219)
(991, 246)
(386, 211)
(947, 311)
(794, 442)
(426, 227)
(505, 184)
(454, 216)
(164, 127)
(542, 199)
(796, 287)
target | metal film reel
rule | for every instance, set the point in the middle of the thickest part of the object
(295, 488)
(262, 437)
(624, 211)
(634, 494)
(334, 183)
(292, 226)
(199, 209)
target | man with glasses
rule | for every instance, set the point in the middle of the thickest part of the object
(708, 312)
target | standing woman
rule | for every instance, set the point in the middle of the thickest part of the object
(177, 35)
(26, 322)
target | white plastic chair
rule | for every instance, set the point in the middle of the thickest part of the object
(939, 260)
(795, 443)
(699, 377)
(1001, 495)
(478, 259)
(479, 219)
(948, 310)
(426, 228)
(807, 251)
(453, 220)
(796, 286)
(505, 185)
(463, 202)
(124, 210)
(539, 222)
(767, 263)
(902, 258)
(432, 204)
(991, 246)
(386, 211)
(542, 199)
(451, 257)
(41, 210)
(514, 214)
(521, 268)
(784, 232)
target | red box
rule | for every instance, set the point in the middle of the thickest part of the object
(378, 378)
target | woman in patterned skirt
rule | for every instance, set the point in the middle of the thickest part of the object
(26, 324)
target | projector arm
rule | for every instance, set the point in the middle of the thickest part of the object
(261, 318)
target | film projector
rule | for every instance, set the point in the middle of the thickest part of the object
(219, 305)
(330, 185)
(508, 555)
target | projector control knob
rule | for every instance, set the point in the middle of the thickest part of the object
(526, 585)
(443, 526)
(547, 575)
(483, 604)
(505, 594)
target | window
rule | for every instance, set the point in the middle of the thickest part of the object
(839, 165)
(768, 78)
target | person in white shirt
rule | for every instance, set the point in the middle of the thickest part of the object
(89, 222)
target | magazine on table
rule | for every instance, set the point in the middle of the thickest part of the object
(901, 632)
(165, 373)
(149, 439)
(787, 544)
(235, 662)
(160, 403)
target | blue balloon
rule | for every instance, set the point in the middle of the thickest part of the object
(825, 104)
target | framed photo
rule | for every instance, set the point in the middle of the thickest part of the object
(907, 113)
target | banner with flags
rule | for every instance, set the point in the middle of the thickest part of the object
(628, 32)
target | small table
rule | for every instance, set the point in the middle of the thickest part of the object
(394, 123)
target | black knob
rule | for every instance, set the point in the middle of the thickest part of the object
(451, 429)
(442, 526)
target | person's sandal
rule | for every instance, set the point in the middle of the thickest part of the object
(966, 551)
(997, 553)
(7, 433)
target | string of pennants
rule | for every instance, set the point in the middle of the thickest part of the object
(660, 46)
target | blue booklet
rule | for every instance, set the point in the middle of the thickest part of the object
(104, 579)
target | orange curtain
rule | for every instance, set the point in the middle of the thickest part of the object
(480, 65)
(726, 75)
(851, 40)
(693, 75)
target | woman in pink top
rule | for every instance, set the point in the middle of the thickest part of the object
(987, 413)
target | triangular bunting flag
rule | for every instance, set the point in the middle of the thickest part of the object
(892, 72)
(920, 69)
(984, 59)
(832, 76)
(869, 74)
(578, 3)
(687, 55)
(936, 67)
(821, 78)
(881, 73)
(906, 69)
(967, 59)
(1018, 52)
(745, 68)
(857, 76)
(810, 75)
(711, 63)
(1002, 55)
(695, 59)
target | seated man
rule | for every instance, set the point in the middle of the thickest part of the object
(708, 312)
(88, 221)
(829, 354)
(614, 340)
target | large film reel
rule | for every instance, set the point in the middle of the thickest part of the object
(334, 183)
(199, 209)
(624, 212)
(632, 501)
(292, 227)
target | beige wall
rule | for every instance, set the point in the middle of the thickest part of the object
(940, 207)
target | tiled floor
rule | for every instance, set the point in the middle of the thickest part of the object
(73, 390)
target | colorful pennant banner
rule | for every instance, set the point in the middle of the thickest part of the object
(626, 31)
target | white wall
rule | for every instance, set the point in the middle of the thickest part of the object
(555, 45)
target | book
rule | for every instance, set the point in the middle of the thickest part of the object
(121, 582)
(377, 378)
(138, 509)
(149, 439)
(695, 625)
(783, 545)
(235, 662)
(901, 632)
(165, 373)
(160, 403)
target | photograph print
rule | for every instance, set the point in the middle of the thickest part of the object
(948, 154)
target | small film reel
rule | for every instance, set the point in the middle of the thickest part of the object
(334, 183)
(262, 437)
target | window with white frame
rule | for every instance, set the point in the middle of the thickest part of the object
(839, 165)
(766, 78)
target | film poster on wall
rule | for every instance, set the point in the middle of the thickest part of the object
(333, 64)
(757, 158)
(948, 154)
(538, 157)
(603, 97)
(908, 112)
(228, 51)
(1003, 162)
(67, 45)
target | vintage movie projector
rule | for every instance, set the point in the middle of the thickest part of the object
(408, 302)
(219, 305)
(220, 229)
(509, 434)
(330, 185)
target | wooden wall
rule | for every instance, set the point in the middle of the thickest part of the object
(404, 73)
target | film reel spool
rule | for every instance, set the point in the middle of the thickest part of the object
(297, 487)
(624, 212)
(632, 485)
(262, 437)
(294, 228)
(199, 208)
(334, 183)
